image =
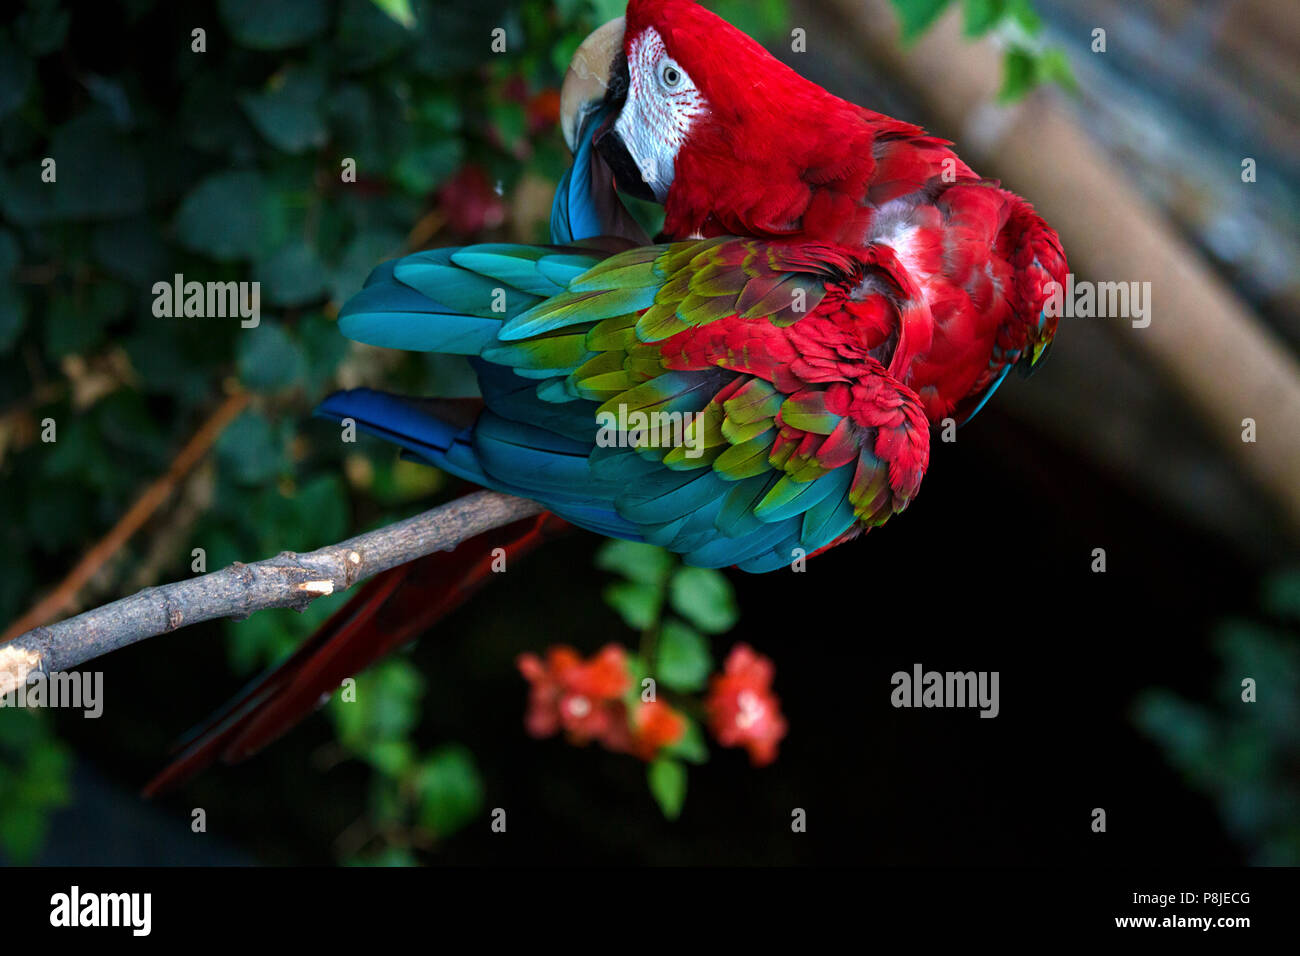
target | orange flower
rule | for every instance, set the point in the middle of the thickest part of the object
(585, 700)
(581, 698)
(651, 726)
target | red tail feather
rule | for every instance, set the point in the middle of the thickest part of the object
(390, 610)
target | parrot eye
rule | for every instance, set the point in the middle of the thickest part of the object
(655, 117)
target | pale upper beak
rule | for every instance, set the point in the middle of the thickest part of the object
(587, 77)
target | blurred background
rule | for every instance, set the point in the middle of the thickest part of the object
(1165, 149)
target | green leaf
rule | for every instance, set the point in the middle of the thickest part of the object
(397, 481)
(683, 662)
(643, 563)
(260, 25)
(705, 598)
(262, 639)
(21, 730)
(223, 216)
(1022, 12)
(511, 122)
(390, 757)
(34, 770)
(322, 505)
(294, 275)
(367, 35)
(367, 126)
(99, 175)
(423, 168)
(637, 672)
(691, 747)
(210, 119)
(323, 350)
(130, 249)
(1019, 75)
(386, 707)
(982, 15)
(1054, 67)
(269, 358)
(288, 111)
(269, 636)
(111, 95)
(606, 10)
(917, 16)
(1024, 69)
(1186, 731)
(220, 546)
(667, 778)
(22, 831)
(638, 604)
(457, 44)
(167, 364)
(248, 449)
(562, 53)
(399, 10)
(79, 454)
(441, 112)
(1282, 594)
(450, 790)
(75, 323)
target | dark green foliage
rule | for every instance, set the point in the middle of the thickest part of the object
(1244, 750)
(34, 782)
(1027, 61)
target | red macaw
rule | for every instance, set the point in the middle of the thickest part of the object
(829, 285)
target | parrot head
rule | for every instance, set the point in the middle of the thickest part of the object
(700, 118)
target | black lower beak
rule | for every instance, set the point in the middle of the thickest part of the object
(607, 141)
(627, 177)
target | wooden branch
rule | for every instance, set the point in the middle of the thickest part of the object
(287, 580)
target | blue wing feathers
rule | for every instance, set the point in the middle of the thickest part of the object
(405, 423)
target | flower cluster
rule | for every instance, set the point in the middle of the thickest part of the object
(598, 700)
(589, 700)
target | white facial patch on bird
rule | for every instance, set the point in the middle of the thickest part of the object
(662, 105)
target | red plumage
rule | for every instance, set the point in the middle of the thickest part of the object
(777, 156)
